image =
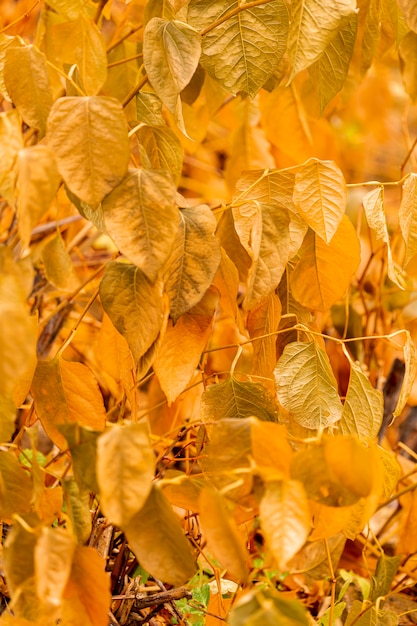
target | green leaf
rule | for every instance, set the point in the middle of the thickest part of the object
(306, 386)
(134, 305)
(160, 149)
(285, 519)
(313, 25)
(243, 51)
(373, 203)
(77, 502)
(125, 470)
(37, 183)
(320, 196)
(90, 140)
(157, 539)
(194, 260)
(371, 616)
(15, 487)
(141, 217)
(80, 43)
(27, 83)
(363, 408)
(329, 72)
(263, 607)
(324, 271)
(386, 568)
(171, 52)
(234, 399)
(263, 230)
(407, 216)
(410, 357)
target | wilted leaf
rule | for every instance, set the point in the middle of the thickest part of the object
(363, 408)
(410, 356)
(66, 392)
(320, 196)
(90, 141)
(182, 345)
(53, 560)
(194, 260)
(134, 305)
(324, 271)
(160, 149)
(407, 216)
(125, 470)
(234, 399)
(242, 52)
(313, 26)
(37, 183)
(141, 217)
(329, 72)
(306, 386)
(27, 83)
(171, 51)
(156, 538)
(221, 534)
(285, 519)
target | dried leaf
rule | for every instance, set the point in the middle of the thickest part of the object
(363, 408)
(234, 399)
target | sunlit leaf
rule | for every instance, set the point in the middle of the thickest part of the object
(6, 41)
(306, 386)
(156, 538)
(408, 58)
(363, 407)
(371, 33)
(407, 216)
(194, 260)
(285, 519)
(90, 141)
(141, 217)
(53, 560)
(313, 25)
(242, 52)
(221, 534)
(234, 399)
(410, 357)
(66, 392)
(182, 345)
(37, 183)
(58, 265)
(27, 83)
(134, 305)
(149, 109)
(11, 141)
(171, 51)
(263, 322)
(80, 43)
(320, 196)
(161, 149)
(15, 487)
(324, 271)
(125, 469)
(330, 70)
(373, 203)
(409, 10)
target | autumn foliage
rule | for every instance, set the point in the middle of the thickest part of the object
(208, 270)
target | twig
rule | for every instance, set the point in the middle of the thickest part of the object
(22, 17)
(156, 599)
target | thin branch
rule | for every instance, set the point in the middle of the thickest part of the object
(132, 31)
(115, 63)
(135, 90)
(22, 17)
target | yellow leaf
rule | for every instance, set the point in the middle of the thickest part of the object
(157, 539)
(27, 83)
(37, 183)
(160, 149)
(48, 504)
(171, 51)
(324, 271)
(58, 265)
(313, 24)
(320, 196)
(285, 519)
(306, 386)
(354, 465)
(66, 392)
(407, 216)
(125, 470)
(77, 503)
(134, 304)
(53, 559)
(363, 408)
(141, 217)
(15, 487)
(271, 450)
(194, 260)
(183, 490)
(88, 586)
(5, 42)
(262, 320)
(408, 56)
(328, 521)
(242, 52)
(371, 33)
(226, 281)
(221, 533)
(181, 347)
(410, 356)
(235, 399)
(90, 140)
(10, 143)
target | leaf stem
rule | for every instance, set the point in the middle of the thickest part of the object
(78, 322)
(333, 581)
(22, 17)
(115, 63)
(135, 90)
(133, 30)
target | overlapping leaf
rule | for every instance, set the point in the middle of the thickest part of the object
(243, 51)
(363, 408)
(141, 217)
(10, 145)
(161, 149)
(408, 217)
(90, 141)
(306, 386)
(194, 260)
(410, 357)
